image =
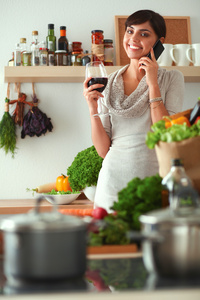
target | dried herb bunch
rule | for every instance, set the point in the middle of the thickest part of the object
(35, 121)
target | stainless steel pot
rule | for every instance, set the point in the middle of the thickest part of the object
(44, 245)
(176, 249)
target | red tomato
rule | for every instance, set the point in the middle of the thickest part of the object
(99, 213)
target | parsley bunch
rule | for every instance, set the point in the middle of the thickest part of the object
(139, 197)
(85, 168)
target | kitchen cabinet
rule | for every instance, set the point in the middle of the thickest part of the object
(74, 74)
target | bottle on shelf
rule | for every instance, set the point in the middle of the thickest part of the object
(51, 55)
(43, 54)
(23, 47)
(11, 61)
(63, 41)
(182, 195)
(51, 37)
(17, 55)
(69, 56)
(35, 61)
(85, 59)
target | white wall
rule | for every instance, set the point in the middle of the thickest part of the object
(41, 160)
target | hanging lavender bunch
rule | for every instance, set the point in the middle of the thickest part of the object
(35, 122)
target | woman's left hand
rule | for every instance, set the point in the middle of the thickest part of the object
(151, 68)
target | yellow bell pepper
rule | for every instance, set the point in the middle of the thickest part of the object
(62, 183)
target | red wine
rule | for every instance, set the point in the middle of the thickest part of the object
(100, 80)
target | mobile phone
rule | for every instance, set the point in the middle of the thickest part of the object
(158, 48)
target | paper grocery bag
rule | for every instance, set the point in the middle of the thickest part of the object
(188, 150)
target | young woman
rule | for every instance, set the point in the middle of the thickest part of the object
(136, 96)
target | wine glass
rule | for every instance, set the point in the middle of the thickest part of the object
(97, 71)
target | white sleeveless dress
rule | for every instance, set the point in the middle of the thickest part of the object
(128, 122)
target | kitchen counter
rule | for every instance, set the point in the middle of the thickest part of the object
(18, 206)
(130, 270)
(112, 279)
(192, 294)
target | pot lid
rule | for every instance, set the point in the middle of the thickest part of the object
(37, 221)
(169, 215)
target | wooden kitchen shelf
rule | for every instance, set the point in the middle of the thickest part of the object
(74, 74)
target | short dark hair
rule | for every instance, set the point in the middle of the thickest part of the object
(156, 21)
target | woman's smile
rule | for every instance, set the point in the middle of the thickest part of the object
(138, 40)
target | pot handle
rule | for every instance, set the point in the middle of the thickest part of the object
(41, 198)
(138, 236)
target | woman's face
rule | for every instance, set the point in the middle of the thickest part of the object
(138, 40)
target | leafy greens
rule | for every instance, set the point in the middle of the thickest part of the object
(175, 133)
(85, 168)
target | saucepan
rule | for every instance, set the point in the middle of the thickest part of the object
(171, 242)
(44, 246)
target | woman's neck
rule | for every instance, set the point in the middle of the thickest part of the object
(132, 77)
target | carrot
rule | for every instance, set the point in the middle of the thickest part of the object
(45, 188)
(81, 212)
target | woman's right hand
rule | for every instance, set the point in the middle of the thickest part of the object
(91, 95)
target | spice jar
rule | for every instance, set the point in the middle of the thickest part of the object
(61, 58)
(76, 46)
(108, 53)
(97, 45)
(76, 58)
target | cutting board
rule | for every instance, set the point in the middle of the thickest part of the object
(108, 249)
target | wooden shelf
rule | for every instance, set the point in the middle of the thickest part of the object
(74, 74)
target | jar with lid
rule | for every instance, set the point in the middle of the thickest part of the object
(76, 58)
(61, 58)
(76, 46)
(97, 45)
(108, 52)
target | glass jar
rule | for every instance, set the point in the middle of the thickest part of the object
(76, 46)
(108, 53)
(61, 58)
(76, 59)
(97, 45)
(26, 58)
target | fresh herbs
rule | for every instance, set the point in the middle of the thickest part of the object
(175, 133)
(85, 168)
(139, 197)
(8, 131)
(112, 232)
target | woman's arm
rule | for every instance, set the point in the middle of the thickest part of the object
(100, 138)
(150, 66)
